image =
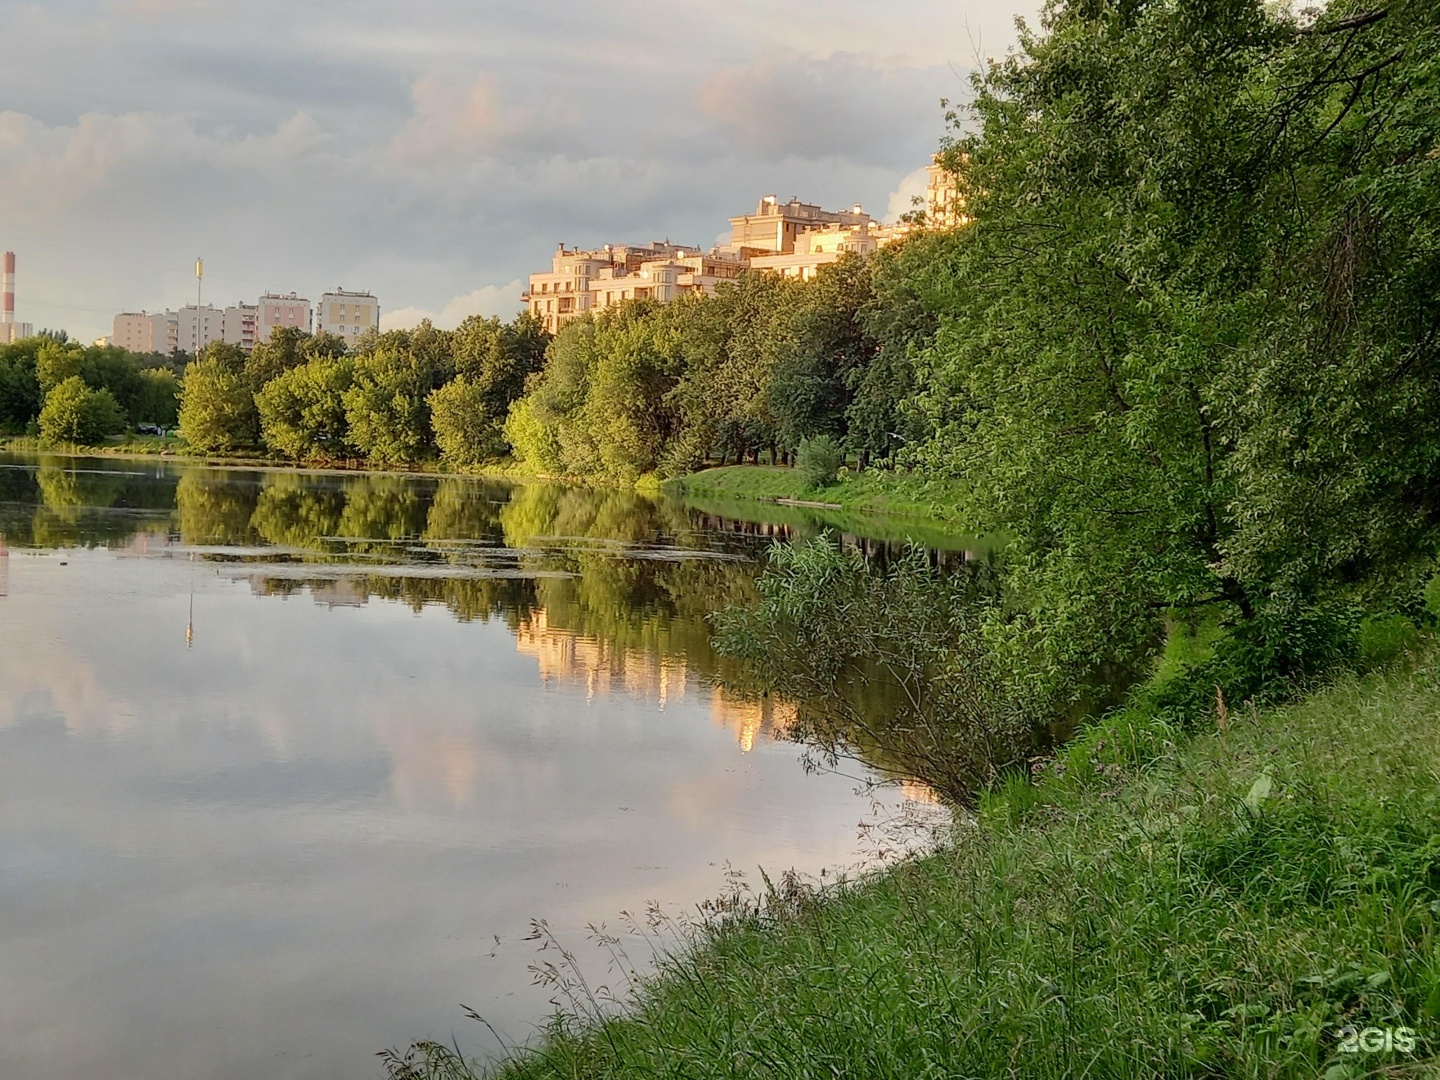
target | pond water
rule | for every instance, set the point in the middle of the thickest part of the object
(289, 761)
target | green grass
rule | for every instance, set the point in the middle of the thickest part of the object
(874, 490)
(1158, 904)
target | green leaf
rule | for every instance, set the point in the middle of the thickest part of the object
(1259, 792)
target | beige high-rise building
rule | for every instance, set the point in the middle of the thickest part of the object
(278, 309)
(199, 326)
(792, 238)
(347, 315)
(820, 247)
(239, 325)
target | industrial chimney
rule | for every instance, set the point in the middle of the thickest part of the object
(7, 287)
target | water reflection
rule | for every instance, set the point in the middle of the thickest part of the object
(281, 752)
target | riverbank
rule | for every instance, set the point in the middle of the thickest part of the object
(876, 491)
(1216, 904)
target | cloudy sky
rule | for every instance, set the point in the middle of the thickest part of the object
(435, 151)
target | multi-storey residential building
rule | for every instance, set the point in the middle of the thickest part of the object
(135, 330)
(581, 281)
(774, 226)
(239, 325)
(347, 315)
(820, 247)
(944, 207)
(198, 326)
(282, 310)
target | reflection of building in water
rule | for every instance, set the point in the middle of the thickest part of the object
(347, 591)
(765, 720)
(565, 656)
(919, 791)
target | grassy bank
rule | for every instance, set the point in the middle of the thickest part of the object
(1222, 909)
(873, 491)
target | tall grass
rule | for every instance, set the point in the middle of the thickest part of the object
(1224, 911)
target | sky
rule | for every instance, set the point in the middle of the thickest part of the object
(434, 152)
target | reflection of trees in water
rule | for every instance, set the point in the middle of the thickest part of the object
(213, 508)
(614, 587)
(889, 665)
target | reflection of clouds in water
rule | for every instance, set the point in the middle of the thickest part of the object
(54, 681)
(312, 823)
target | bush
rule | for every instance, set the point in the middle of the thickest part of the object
(73, 413)
(819, 460)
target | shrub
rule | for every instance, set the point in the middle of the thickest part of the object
(74, 413)
(819, 460)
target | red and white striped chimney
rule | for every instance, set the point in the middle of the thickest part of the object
(7, 288)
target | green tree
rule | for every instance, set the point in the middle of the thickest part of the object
(217, 407)
(73, 413)
(385, 408)
(465, 431)
(1185, 355)
(158, 401)
(302, 410)
(55, 362)
(287, 348)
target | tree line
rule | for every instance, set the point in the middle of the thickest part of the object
(71, 393)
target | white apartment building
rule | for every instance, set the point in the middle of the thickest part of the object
(199, 326)
(347, 315)
(286, 309)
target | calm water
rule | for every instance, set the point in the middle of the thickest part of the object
(282, 755)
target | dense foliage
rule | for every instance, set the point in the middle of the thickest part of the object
(1190, 347)
(142, 387)
(398, 398)
(761, 367)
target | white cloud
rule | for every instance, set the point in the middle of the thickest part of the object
(457, 121)
(491, 301)
(902, 199)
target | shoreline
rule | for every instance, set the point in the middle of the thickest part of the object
(905, 497)
(1099, 915)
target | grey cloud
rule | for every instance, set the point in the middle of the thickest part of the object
(432, 151)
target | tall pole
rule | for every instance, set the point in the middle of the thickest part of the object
(199, 286)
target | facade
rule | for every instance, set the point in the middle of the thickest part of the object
(198, 326)
(347, 315)
(944, 207)
(820, 247)
(775, 226)
(238, 325)
(146, 332)
(276, 309)
(585, 281)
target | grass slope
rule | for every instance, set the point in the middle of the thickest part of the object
(1221, 911)
(875, 491)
